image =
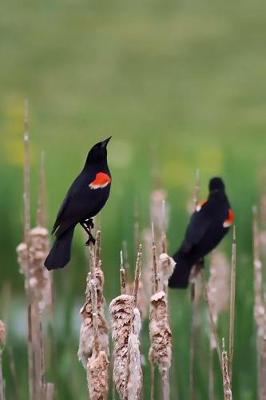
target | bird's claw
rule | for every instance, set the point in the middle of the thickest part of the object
(90, 240)
(89, 223)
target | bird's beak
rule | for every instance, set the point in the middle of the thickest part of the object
(105, 142)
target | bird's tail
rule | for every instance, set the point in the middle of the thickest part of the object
(60, 253)
(180, 277)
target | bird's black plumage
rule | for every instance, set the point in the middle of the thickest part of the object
(85, 198)
(208, 225)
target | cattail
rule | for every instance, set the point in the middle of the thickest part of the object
(121, 310)
(160, 352)
(147, 275)
(38, 283)
(127, 373)
(97, 375)
(134, 359)
(160, 333)
(166, 268)
(226, 378)
(232, 304)
(98, 363)
(161, 338)
(218, 300)
(86, 312)
(94, 343)
(159, 211)
(2, 345)
(195, 294)
(2, 335)
(259, 309)
(31, 254)
(218, 287)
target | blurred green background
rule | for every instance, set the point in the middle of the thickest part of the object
(179, 86)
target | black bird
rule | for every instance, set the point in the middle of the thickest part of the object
(208, 225)
(85, 198)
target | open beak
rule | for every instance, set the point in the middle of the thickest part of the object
(105, 142)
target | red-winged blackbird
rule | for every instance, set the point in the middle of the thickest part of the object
(208, 225)
(85, 198)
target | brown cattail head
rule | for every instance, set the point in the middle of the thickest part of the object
(38, 280)
(135, 378)
(226, 377)
(2, 335)
(86, 331)
(22, 253)
(121, 310)
(97, 375)
(160, 332)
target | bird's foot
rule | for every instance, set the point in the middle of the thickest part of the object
(91, 240)
(89, 223)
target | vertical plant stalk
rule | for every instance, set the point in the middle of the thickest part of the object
(41, 209)
(160, 352)
(121, 309)
(127, 372)
(232, 304)
(31, 255)
(213, 326)
(27, 224)
(154, 263)
(135, 377)
(211, 376)
(26, 173)
(2, 346)
(195, 303)
(94, 343)
(226, 377)
(217, 291)
(122, 274)
(137, 274)
(259, 310)
(98, 363)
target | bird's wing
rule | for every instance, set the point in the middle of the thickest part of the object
(198, 226)
(67, 200)
(85, 198)
(60, 213)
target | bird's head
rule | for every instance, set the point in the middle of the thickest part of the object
(216, 184)
(98, 152)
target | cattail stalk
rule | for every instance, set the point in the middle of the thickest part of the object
(195, 302)
(160, 352)
(122, 274)
(135, 379)
(31, 255)
(127, 372)
(259, 310)
(154, 263)
(2, 346)
(98, 363)
(121, 310)
(226, 377)
(94, 344)
(232, 304)
(217, 291)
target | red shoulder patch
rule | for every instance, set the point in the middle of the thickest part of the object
(200, 204)
(230, 218)
(100, 181)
